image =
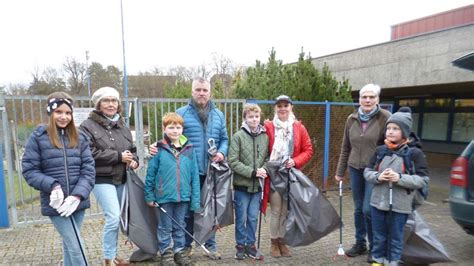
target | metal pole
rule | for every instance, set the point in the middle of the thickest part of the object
(327, 134)
(125, 78)
(9, 158)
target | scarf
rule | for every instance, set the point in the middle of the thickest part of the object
(203, 112)
(366, 117)
(283, 138)
(395, 146)
(115, 118)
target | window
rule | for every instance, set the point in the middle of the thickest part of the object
(415, 117)
(464, 103)
(409, 102)
(438, 103)
(435, 126)
(463, 127)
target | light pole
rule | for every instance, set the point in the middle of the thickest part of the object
(125, 78)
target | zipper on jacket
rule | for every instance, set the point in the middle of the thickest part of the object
(178, 178)
(254, 162)
(65, 162)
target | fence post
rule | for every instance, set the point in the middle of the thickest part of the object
(139, 138)
(4, 223)
(327, 132)
(9, 157)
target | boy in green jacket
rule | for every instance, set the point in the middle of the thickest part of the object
(247, 155)
(172, 180)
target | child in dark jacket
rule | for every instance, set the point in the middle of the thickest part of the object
(172, 181)
(247, 154)
(58, 162)
(394, 187)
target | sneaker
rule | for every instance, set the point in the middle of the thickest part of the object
(213, 255)
(356, 250)
(369, 257)
(167, 258)
(188, 251)
(253, 252)
(181, 259)
(240, 254)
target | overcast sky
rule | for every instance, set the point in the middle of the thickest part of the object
(39, 34)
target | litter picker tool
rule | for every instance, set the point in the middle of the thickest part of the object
(340, 250)
(209, 254)
(389, 237)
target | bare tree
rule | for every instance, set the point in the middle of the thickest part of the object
(222, 64)
(77, 73)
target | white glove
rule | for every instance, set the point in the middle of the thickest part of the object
(56, 197)
(69, 206)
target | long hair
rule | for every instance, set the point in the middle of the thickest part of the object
(70, 130)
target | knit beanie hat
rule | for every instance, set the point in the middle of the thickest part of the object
(104, 92)
(403, 119)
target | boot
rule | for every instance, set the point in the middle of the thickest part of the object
(285, 252)
(121, 262)
(274, 249)
(108, 262)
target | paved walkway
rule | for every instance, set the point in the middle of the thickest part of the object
(41, 245)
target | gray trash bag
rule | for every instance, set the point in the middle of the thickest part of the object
(421, 245)
(139, 221)
(311, 216)
(216, 211)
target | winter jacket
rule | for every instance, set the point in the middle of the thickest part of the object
(108, 140)
(357, 146)
(45, 167)
(404, 190)
(173, 178)
(248, 151)
(302, 151)
(302, 147)
(199, 134)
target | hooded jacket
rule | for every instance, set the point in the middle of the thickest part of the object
(248, 151)
(199, 134)
(173, 177)
(45, 166)
(108, 140)
(403, 190)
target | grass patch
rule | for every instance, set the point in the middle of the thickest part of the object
(23, 192)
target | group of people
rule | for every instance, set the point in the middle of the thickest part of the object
(66, 165)
(374, 148)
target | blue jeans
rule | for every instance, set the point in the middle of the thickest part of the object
(361, 192)
(381, 226)
(72, 254)
(247, 206)
(168, 229)
(189, 219)
(109, 196)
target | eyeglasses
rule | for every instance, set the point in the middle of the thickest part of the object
(108, 100)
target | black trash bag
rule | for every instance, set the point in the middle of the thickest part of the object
(138, 220)
(310, 216)
(421, 245)
(216, 211)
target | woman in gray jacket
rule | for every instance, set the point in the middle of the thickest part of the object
(113, 151)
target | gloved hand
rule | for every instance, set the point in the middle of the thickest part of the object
(69, 206)
(56, 197)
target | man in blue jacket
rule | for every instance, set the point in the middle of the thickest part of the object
(203, 122)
